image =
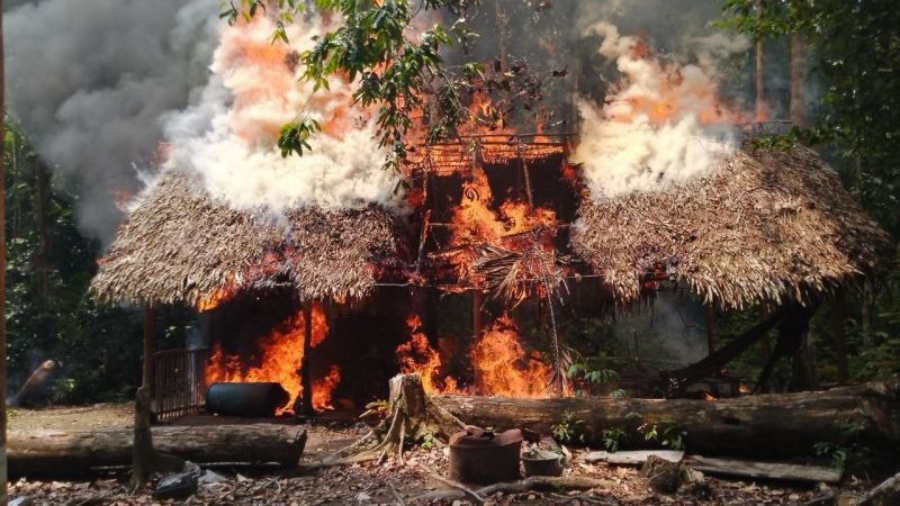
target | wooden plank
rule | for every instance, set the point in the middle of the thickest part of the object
(767, 470)
(631, 458)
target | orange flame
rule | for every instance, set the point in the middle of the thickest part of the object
(279, 360)
(417, 356)
(213, 299)
(708, 396)
(501, 366)
(475, 220)
(324, 387)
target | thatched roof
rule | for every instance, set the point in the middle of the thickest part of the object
(180, 246)
(765, 225)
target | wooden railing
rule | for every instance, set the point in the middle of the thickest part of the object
(179, 383)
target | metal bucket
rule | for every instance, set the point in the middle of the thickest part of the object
(257, 400)
(483, 457)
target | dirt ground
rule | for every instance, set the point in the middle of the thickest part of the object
(72, 417)
(391, 483)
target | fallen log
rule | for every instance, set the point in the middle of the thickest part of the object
(764, 470)
(769, 426)
(631, 458)
(54, 453)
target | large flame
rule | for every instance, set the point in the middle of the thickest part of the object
(279, 360)
(417, 356)
(229, 134)
(501, 366)
(477, 221)
(662, 125)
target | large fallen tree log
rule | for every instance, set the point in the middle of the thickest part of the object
(59, 453)
(767, 426)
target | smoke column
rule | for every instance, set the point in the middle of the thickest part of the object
(229, 136)
(663, 124)
(90, 80)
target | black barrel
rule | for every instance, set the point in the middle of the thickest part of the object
(246, 399)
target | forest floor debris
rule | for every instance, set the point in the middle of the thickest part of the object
(391, 483)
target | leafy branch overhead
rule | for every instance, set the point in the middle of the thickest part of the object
(376, 48)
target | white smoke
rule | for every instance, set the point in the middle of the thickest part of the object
(662, 126)
(229, 136)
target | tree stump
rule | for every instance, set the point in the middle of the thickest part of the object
(411, 414)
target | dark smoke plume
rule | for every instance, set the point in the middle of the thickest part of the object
(90, 80)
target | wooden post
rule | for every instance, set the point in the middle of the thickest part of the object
(766, 348)
(477, 324)
(305, 372)
(709, 313)
(527, 175)
(149, 349)
(838, 317)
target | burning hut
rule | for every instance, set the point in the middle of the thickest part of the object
(503, 219)
(257, 283)
(764, 227)
(494, 218)
(180, 246)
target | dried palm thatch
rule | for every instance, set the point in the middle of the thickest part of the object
(181, 246)
(764, 226)
(512, 275)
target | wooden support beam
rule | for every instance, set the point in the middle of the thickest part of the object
(839, 331)
(678, 381)
(709, 314)
(305, 372)
(149, 347)
(526, 173)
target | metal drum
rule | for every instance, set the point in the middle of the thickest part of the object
(256, 400)
(483, 457)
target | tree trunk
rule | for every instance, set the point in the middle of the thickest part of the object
(3, 461)
(798, 106)
(761, 113)
(504, 35)
(42, 257)
(56, 453)
(760, 426)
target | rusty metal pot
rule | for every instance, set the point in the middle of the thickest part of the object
(483, 457)
(542, 463)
